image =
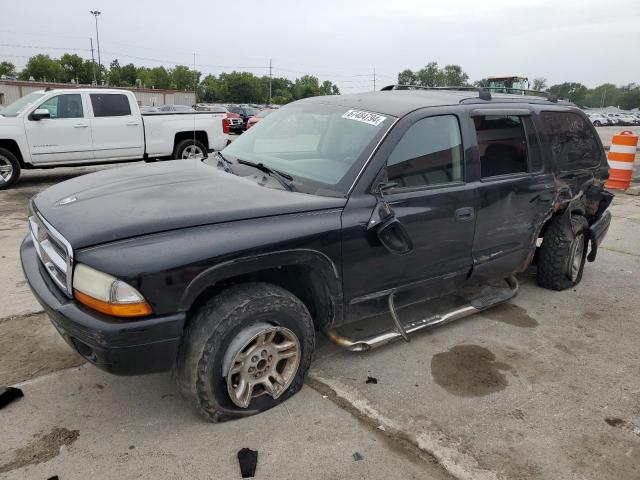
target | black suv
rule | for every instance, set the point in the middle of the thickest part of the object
(367, 216)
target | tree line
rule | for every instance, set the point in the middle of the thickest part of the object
(626, 97)
(247, 87)
(226, 87)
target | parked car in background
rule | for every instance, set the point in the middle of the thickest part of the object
(598, 119)
(52, 128)
(613, 119)
(245, 113)
(234, 123)
(257, 117)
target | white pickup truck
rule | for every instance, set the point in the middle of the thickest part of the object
(53, 128)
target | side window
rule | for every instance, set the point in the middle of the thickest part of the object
(110, 105)
(572, 140)
(535, 156)
(64, 106)
(501, 140)
(429, 153)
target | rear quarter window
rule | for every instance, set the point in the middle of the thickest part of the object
(572, 140)
(110, 105)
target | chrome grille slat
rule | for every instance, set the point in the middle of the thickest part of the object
(54, 251)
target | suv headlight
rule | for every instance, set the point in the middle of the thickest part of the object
(107, 294)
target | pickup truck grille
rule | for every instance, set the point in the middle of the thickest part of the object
(54, 251)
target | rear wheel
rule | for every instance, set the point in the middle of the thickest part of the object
(561, 258)
(9, 169)
(190, 148)
(245, 351)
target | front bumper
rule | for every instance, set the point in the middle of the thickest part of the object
(121, 347)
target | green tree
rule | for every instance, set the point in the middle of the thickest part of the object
(572, 91)
(539, 84)
(407, 77)
(128, 75)
(74, 67)
(8, 69)
(115, 73)
(453, 75)
(306, 86)
(42, 67)
(430, 76)
(159, 77)
(630, 97)
(183, 78)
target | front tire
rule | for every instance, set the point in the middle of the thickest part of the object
(189, 148)
(9, 169)
(246, 350)
(561, 259)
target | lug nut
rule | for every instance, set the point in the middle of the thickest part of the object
(254, 359)
(251, 369)
(263, 353)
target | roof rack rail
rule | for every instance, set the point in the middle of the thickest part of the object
(483, 93)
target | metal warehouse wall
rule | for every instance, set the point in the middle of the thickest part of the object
(12, 91)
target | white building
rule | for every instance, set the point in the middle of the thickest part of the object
(12, 90)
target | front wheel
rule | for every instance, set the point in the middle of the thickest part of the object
(189, 148)
(561, 258)
(9, 169)
(245, 351)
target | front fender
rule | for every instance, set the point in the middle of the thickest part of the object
(314, 259)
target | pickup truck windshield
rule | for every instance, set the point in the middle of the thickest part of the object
(321, 146)
(19, 106)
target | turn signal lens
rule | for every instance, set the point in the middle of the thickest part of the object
(114, 309)
(107, 294)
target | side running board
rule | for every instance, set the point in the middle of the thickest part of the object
(376, 331)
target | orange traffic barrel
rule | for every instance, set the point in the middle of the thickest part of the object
(621, 156)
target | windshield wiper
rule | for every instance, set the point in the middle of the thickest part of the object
(284, 178)
(224, 161)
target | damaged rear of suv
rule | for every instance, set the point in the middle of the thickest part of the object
(368, 217)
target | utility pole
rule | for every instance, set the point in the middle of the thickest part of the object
(270, 77)
(374, 79)
(95, 13)
(93, 63)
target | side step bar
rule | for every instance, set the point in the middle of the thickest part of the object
(377, 331)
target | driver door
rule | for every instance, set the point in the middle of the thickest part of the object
(65, 136)
(426, 192)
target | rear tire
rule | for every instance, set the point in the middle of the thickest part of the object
(189, 148)
(9, 169)
(561, 259)
(221, 339)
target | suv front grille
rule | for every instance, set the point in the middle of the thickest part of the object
(54, 251)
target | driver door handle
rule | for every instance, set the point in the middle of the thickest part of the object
(465, 214)
(80, 125)
(131, 124)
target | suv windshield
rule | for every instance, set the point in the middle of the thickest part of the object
(321, 146)
(19, 106)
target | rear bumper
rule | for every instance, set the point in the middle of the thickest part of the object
(597, 232)
(601, 226)
(121, 347)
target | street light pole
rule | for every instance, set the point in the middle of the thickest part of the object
(95, 13)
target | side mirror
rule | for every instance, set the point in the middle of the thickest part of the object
(40, 113)
(394, 237)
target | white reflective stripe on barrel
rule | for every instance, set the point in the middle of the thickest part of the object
(620, 165)
(622, 148)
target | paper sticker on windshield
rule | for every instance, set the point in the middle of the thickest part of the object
(365, 117)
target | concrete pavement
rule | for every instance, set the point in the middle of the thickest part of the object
(546, 386)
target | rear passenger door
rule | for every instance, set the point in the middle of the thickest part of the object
(515, 192)
(117, 132)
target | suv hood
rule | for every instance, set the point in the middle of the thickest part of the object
(126, 202)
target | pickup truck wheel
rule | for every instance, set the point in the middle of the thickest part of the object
(9, 169)
(561, 259)
(190, 148)
(246, 350)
